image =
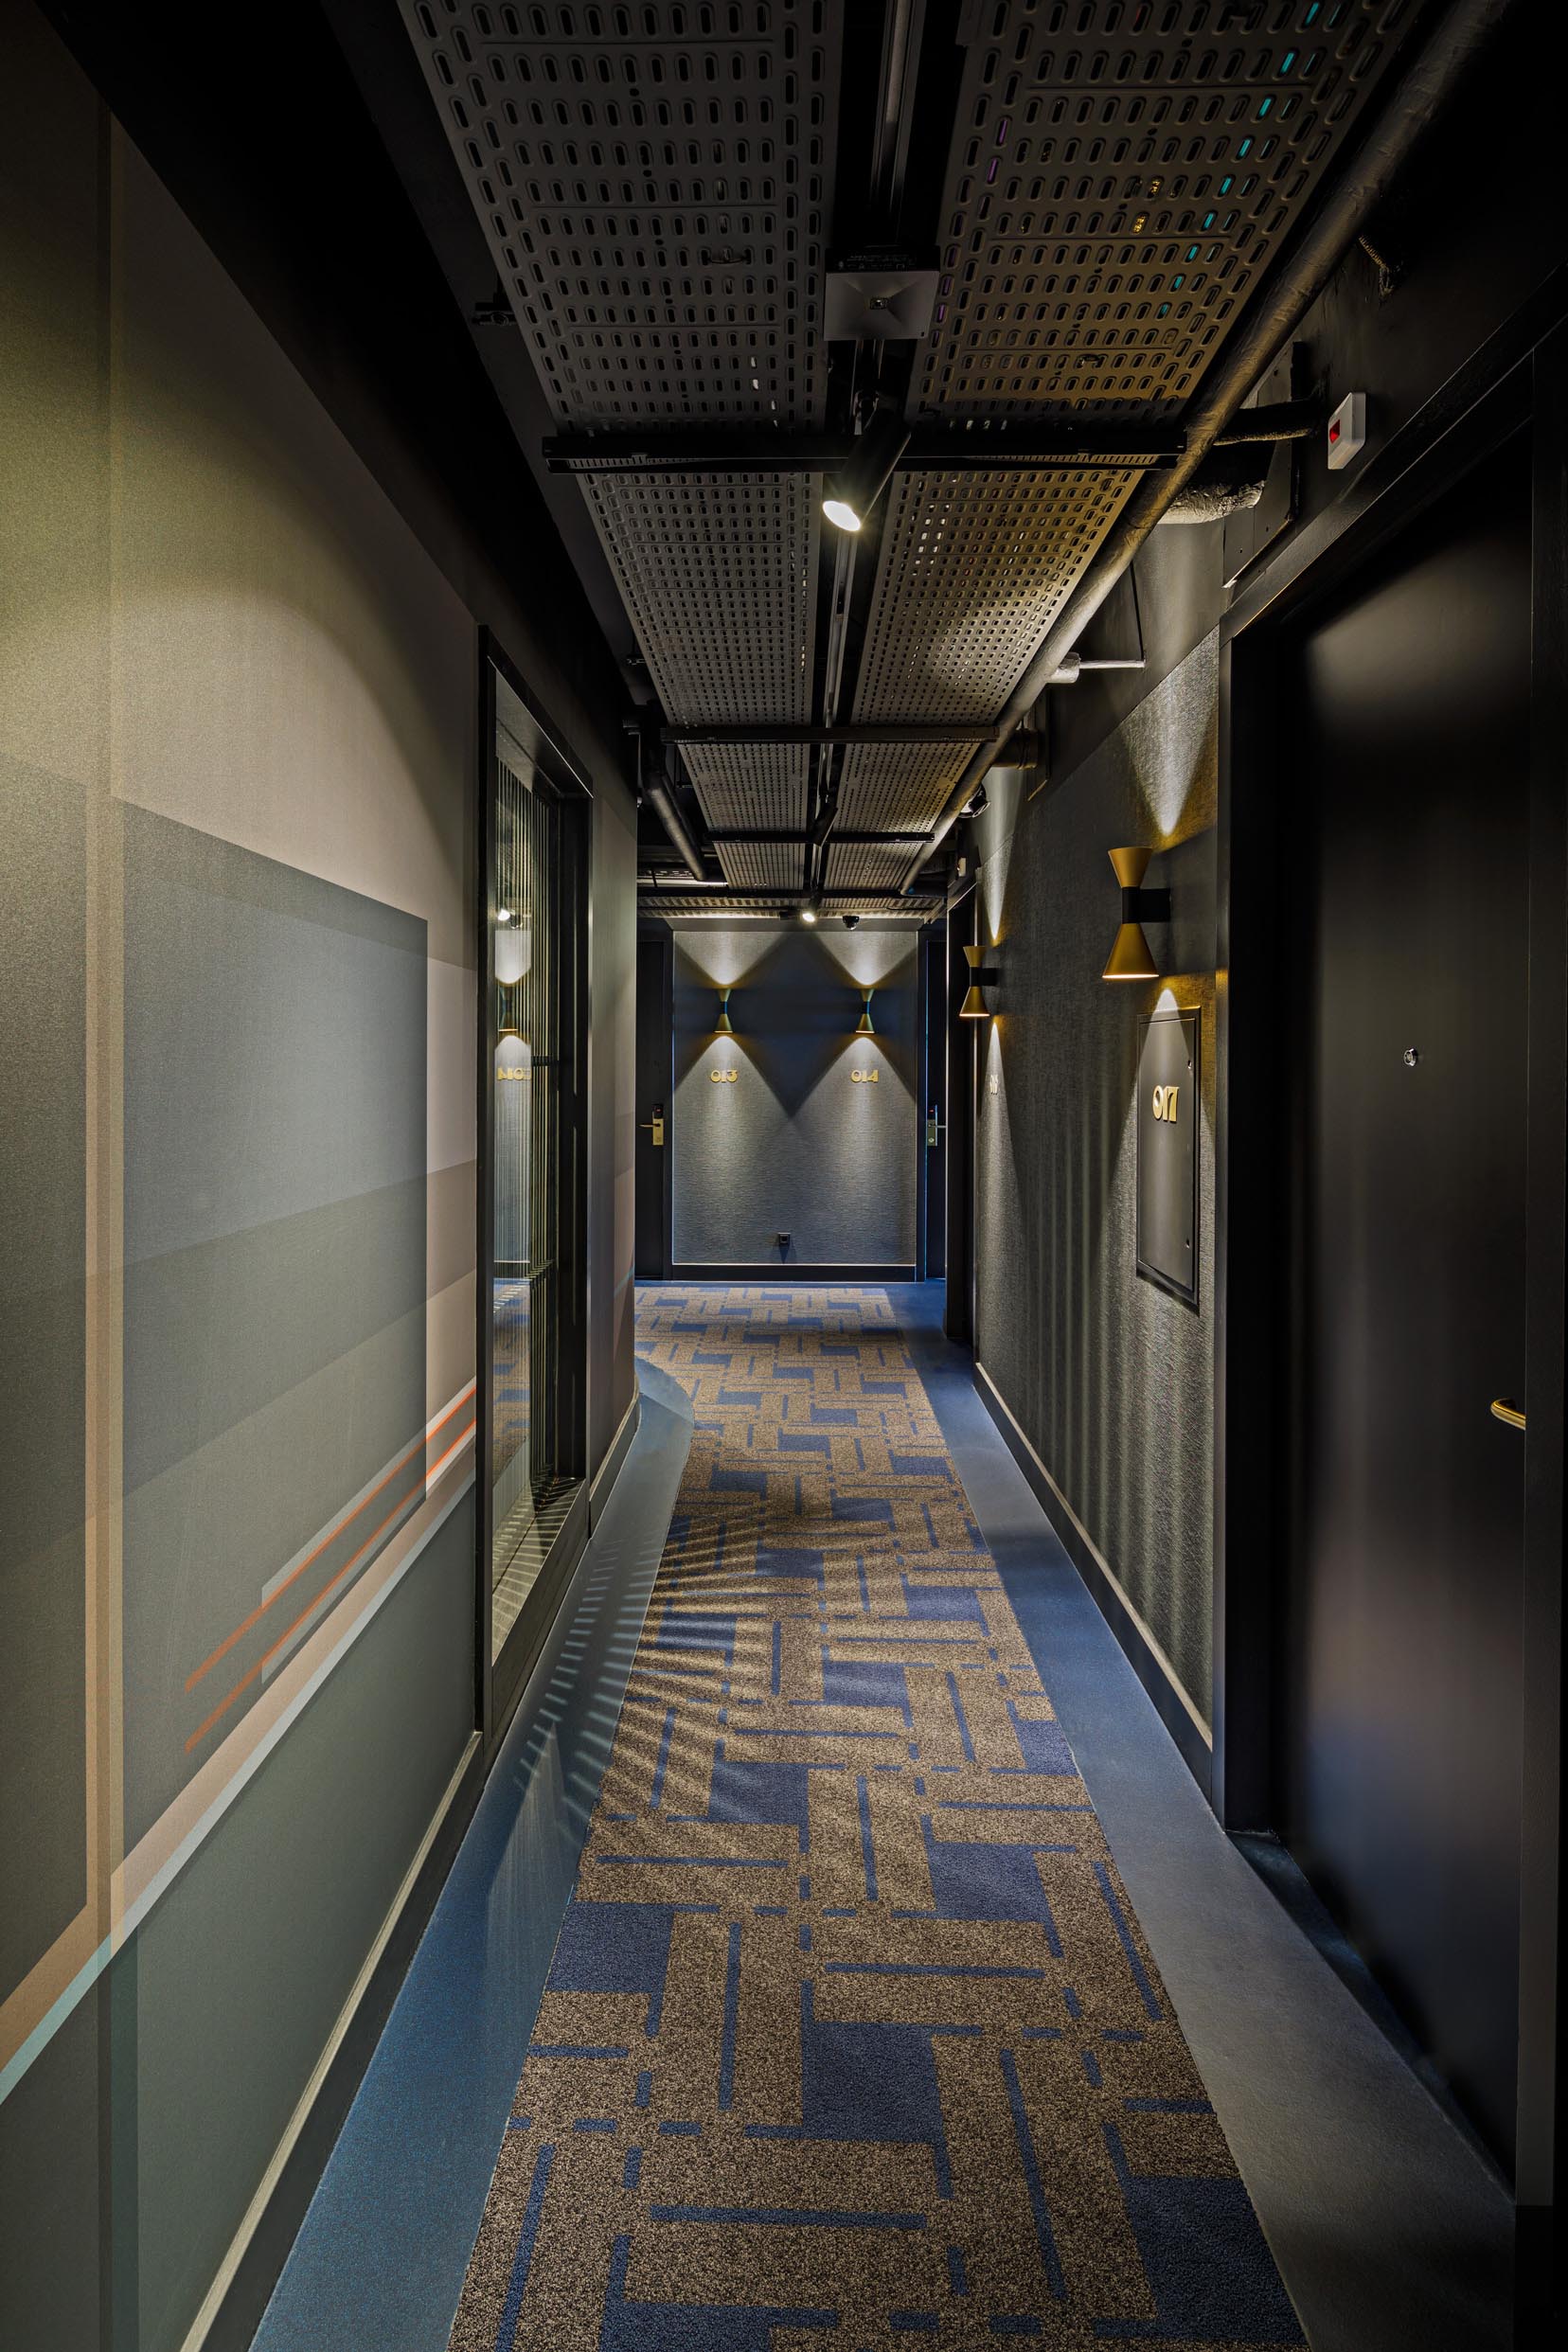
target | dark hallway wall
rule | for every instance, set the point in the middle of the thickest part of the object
(803, 1140)
(1112, 1384)
(1109, 1379)
(238, 719)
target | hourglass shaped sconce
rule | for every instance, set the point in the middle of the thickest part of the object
(1131, 957)
(974, 1007)
(864, 1026)
(723, 1026)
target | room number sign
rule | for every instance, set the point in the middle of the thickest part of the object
(1168, 1100)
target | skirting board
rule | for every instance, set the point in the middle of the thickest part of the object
(771, 1271)
(228, 2319)
(614, 1456)
(1144, 1654)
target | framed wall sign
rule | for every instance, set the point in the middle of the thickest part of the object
(1167, 1151)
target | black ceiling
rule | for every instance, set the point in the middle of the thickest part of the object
(660, 190)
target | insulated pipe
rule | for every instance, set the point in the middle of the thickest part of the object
(1414, 96)
(656, 787)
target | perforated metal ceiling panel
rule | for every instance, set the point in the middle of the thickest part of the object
(763, 864)
(859, 866)
(654, 180)
(654, 184)
(754, 787)
(1122, 172)
(718, 572)
(681, 906)
(973, 569)
(884, 787)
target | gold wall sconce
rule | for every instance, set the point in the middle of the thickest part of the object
(864, 1026)
(1131, 957)
(982, 975)
(723, 1026)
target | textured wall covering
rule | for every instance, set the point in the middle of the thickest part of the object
(1109, 1379)
(236, 718)
(795, 1144)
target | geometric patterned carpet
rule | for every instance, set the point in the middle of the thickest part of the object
(851, 2037)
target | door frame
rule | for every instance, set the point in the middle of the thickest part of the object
(659, 939)
(931, 1158)
(500, 1682)
(959, 1317)
(1518, 382)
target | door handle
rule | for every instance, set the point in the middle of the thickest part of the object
(1505, 1409)
(933, 1131)
(654, 1126)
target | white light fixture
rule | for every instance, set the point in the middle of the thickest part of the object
(504, 915)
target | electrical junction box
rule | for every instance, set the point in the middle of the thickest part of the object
(1347, 431)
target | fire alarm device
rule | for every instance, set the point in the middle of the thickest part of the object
(1347, 431)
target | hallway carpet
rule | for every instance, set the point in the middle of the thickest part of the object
(850, 2036)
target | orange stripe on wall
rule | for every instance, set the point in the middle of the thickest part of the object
(245, 1681)
(260, 1610)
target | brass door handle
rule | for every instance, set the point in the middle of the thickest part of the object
(1505, 1409)
(655, 1128)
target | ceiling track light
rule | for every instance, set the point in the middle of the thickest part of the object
(974, 1007)
(1131, 957)
(812, 910)
(851, 494)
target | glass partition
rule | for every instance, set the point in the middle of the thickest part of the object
(535, 919)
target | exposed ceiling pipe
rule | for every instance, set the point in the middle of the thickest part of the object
(1229, 480)
(1411, 100)
(656, 788)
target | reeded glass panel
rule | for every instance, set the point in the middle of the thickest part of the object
(528, 901)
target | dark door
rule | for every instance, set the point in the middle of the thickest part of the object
(933, 1099)
(1409, 707)
(655, 1051)
(958, 1318)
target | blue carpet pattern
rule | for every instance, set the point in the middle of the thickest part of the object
(851, 2037)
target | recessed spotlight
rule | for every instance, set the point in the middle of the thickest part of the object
(502, 914)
